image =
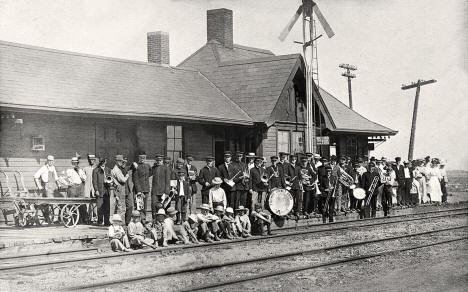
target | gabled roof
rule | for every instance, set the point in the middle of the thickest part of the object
(44, 79)
(344, 119)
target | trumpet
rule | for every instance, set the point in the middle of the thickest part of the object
(265, 178)
(288, 180)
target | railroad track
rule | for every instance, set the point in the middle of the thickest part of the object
(218, 284)
(321, 229)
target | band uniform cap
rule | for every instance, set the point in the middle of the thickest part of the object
(193, 217)
(91, 156)
(242, 208)
(75, 159)
(229, 210)
(205, 207)
(135, 213)
(304, 158)
(383, 158)
(342, 157)
(398, 158)
(258, 158)
(309, 154)
(219, 208)
(427, 157)
(274, 157)
(323, 159)
(217, 181)
(356, 164)
(171, 211)
(50, 157)
(180, 160)
(406, 162)
(328, 167)
(167, 158)
(158, 156)
(316, 155)
(227, 153)
(371, 164)
(161, 212)
(239, 153)
(250, 154)
(372, 158)
(209, 158)
(360, 160)
(116, 218)
(292, 155)
(119, 157)
(181, 172)
(189, 157)
(283, 153)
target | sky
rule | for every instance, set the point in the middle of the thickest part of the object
(391, 43)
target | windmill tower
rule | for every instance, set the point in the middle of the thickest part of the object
(309, 50)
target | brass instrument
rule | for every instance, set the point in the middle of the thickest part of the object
(231, 182)
(289, 181)
(167, 198)
(330, 194)
(306, 179)
(265, 178)
(372, 189)
(345, 179)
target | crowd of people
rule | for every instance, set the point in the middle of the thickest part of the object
(234, 194)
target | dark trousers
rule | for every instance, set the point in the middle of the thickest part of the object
(145, 205)
(360, 208)
(297, 197)
(232, 199)
(370, 208)
(327, 212)
(154, 200)
(248, 202)
(128, 207)
(443, 188)
(258, 227)
(307, 202)
(103, 209)
(407, 196)
(386, 198)
(181, 208)
(205, 195)
(400, 191)
(242, 198)
(352, 200)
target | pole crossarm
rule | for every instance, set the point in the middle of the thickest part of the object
(419, 83)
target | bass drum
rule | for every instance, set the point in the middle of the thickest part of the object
(279, 202)
(359, 193)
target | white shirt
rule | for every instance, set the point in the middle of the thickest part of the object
(407, 174)
(118, 175)
(43, 173)
(75, 177)
(181, 189)
(217, 196)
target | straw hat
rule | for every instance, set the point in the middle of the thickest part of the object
(135, 213)
(171, 211)
(161, 212)
(217, 181)
(193, 217)
(116, 218)
(242, 208)
(50, 157)
(219, 208)
(205, 207)
(229, 210)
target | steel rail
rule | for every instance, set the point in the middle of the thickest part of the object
(52, 252)
(315, 266)
(257, 259)
(214, 244)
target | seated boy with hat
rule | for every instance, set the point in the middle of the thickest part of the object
(225, 229)
(136, 232)
(174, 234)
(207, 224)
(191, 227)
(118, 238)
(259, 220)
(243, 221)
(229, 219)
(159, 227)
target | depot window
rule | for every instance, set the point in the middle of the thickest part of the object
(174, 141)
(283, 141)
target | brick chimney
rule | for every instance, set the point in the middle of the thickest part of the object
(219, 26)
(158, 47)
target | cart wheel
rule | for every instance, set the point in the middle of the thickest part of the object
(70, 215)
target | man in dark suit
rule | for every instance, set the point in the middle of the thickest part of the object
(355, 174)
(102, 192)
(308, 176)
(275, 173)
(370, 179)
(292, 181)
(140, 177)
(400, 178)
(161, 183)
(327, 197)
(283, 164)
(242, 184)
(258, 188)
(206, 176)
(230, 176)
(408, 175)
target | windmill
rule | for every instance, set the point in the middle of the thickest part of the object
(306, 9)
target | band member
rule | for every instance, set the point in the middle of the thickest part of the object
(168, 162)
(327, 197)
(102, 192)
(341, 192)
(308, 176)
(242, 186)
(230, 176)
(292, 181)
(283, 164)
(310, 158)
(388, 180)
(140, 176)
(354, 204)
(250, 160)
(161, 183)
(46, 178)
(321, 169)
(258, 183)
(192, 173)
(178, 167)
(370, 183)
(207, 174)
(275, 173)
(76, 178)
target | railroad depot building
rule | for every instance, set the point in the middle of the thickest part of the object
(223, 97)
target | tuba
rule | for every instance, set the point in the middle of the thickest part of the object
(346, 180)
(372, 189)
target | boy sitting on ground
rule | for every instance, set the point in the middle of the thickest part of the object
(159, 227)
(174, 233)
(229, 219)
(136, 232)
(224, 226)
(207, 224)
(191, 228)
(243, 222)
(259, 220)
(118, 238)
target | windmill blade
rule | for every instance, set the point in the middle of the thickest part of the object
(290, 24)
(323, 21)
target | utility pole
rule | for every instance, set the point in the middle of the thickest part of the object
(349, 75)
(418, 85)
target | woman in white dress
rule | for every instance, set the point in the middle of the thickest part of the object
(433, 185)
(420, 175)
